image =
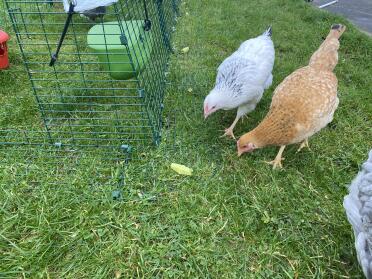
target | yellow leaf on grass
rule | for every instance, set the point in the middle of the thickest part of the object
(185, 50)
(181, 169)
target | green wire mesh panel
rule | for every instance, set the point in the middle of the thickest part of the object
(28, 159)
(107, 85)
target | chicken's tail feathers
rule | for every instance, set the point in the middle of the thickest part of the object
(268, 32)
(339, 28)
(326, 57)
(358, 211)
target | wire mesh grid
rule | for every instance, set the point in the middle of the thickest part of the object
(102, 99)
(27, 157)
(108, 82)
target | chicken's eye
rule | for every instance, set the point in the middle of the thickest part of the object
(213, 107)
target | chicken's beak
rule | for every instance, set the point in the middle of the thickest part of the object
(206, 112)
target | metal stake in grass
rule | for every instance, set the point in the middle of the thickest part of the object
(328, 4)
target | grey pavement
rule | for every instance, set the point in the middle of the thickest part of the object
(358, 12)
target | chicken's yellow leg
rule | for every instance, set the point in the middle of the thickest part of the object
(277, 162)
(305, 143)
(229, 131)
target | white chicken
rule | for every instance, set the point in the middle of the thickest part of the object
(358, 207)
(242, 79)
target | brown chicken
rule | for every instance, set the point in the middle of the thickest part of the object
(302, 104)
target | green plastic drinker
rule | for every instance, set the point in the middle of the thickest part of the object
(108, 42)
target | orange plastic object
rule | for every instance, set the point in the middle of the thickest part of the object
(4, 59)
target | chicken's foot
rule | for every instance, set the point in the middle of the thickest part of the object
(277, 162)
(230, 131)
(304, 144)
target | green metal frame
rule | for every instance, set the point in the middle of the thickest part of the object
(80, 104)
(86, 115)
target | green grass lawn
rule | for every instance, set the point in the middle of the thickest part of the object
(235, 217)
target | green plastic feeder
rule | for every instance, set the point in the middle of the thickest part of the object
(108, 42)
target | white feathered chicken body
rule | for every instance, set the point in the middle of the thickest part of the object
(358, 206)
(242, 78)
